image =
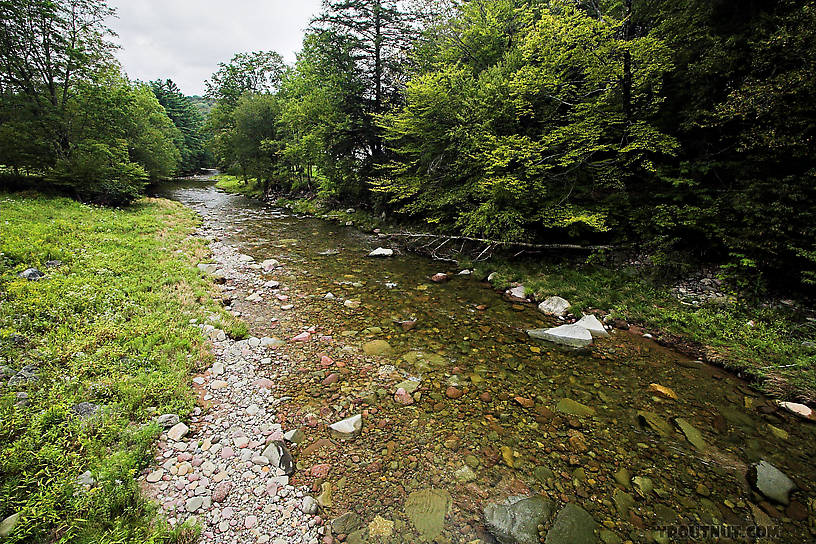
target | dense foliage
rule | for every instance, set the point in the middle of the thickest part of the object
(69, 117)
(677, 129)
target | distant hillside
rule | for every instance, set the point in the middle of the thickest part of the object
(203, 104)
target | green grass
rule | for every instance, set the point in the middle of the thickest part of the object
(769, 350)
(110, 326)
(235, 184)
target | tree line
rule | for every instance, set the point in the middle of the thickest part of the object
(70, 118)
(684, 129)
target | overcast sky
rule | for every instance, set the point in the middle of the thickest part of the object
(184, 40)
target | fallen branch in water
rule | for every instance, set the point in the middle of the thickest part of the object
(493, 242)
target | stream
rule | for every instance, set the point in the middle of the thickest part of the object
(647, 442)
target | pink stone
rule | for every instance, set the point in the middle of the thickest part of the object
(226, 452)
(403, 397)
(227, 512)
(331, 379)
(250, 522)
(197, 462)
(184, 456)
(264, 383)
(276, 435)
(193, 477)
(326, 361)
(302, 337)
(321, 471)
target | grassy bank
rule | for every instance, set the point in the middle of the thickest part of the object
(108, 326)
(764, 344)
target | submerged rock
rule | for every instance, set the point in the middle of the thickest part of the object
(568, 335)
(771, 482)
(691, 433)
(377, 347)
(654, 422)
(573, 525)
(346, 524)
(574, 408)
(348, 428)
(516, 520)
(426, 510)
(556, 306)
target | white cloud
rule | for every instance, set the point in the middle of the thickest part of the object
(184, 40)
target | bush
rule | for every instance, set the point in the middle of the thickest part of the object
(101, 173)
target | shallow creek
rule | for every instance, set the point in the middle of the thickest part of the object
(511, 431)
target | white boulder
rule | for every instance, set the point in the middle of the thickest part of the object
(381, 252)
(574, 336)
(595, 327)
(556, 306)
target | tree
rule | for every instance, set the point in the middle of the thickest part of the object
(252, 73)
(187, 119)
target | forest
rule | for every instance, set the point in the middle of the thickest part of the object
(682, 130)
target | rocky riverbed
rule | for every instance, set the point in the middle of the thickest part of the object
(468, 429)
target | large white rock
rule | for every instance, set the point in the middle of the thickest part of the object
(270, 264)
(208, 268)
(568, 335)
(381, 252)
(177, 432)
(595, 327)
(348, 427)
(518, 292)
(556, 306)
(799, 409)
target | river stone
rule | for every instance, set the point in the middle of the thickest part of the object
(410, 385)
(771, 482)
(516, 520)
(193, 503)
(85, 410)
(623, 501)
(568, 335)
(378, 347)
(465, 474)
(167, 420)
(691, 433)
(31, 274)
(799, 409)
(556, 306)
(381, 252)
(177, 432)
(574, 408)
(518, 292)
(7, 525)
(279, 456)
(208, 268)
(346, 524)
(426, 509)
(573, 525)
(595, 327)
(348, 428)
(270, 264)
(654, 422)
